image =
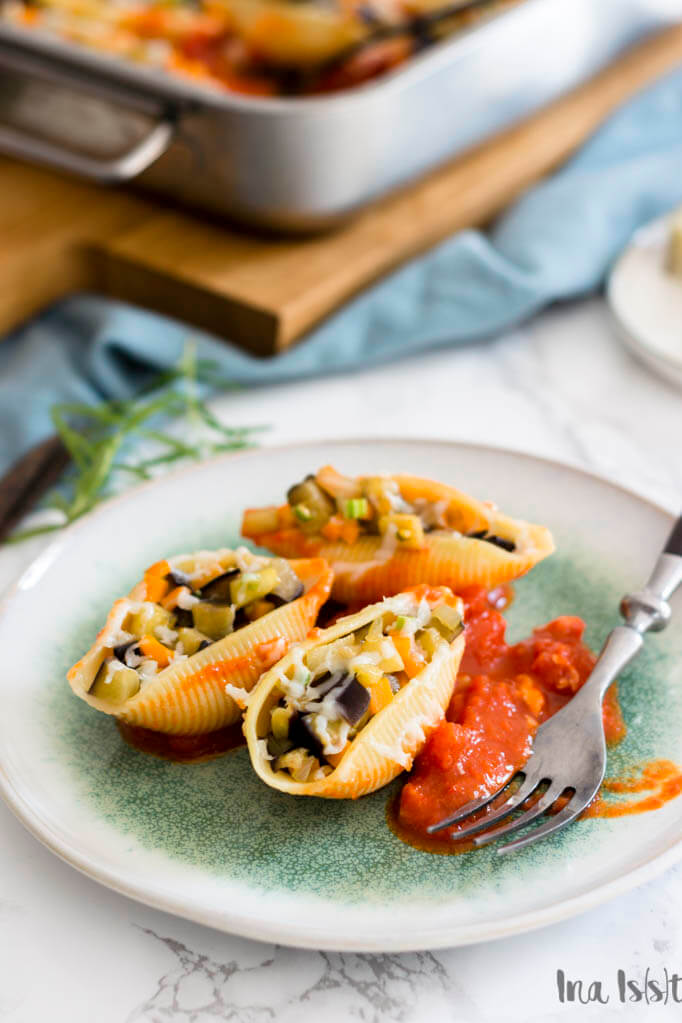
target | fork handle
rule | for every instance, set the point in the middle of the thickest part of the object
(646, 610)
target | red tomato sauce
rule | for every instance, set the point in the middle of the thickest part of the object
(503, 693)
(183, 748)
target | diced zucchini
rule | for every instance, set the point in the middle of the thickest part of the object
(250, 586)
(191, 640)
(429, 640)
(408, 530)
(147, 620)
(312, 507)
(368, 675)
(279, 722)
(115, 685)
(389, 658)
(447, 620)
(214, 620)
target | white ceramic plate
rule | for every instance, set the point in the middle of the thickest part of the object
(209, 841)
(647, 301)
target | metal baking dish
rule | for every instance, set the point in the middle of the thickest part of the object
(302, 163)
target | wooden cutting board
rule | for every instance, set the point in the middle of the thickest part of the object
(60, 235)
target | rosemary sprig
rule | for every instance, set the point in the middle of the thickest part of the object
(100, 438)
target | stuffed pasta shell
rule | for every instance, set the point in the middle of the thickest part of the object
(382, 534)
(345, 712)
(178, 653)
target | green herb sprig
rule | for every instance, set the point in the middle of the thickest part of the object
(100, 438)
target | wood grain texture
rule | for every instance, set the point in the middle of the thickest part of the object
(60, 235)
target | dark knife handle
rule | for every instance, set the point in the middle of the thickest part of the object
(674, 544)
(28, 479)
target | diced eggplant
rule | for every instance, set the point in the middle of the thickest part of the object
(218, 589)
(183, 618)
(352, 699)
(322, 685)
(289, 586)
(250, 586)
(315, 508)
(177, 578)
(214, 620)
(301, 734)
(260, 520)
(121, 651)
(115, 685)
(499, 541)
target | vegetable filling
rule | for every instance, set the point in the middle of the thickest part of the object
(189, 603)
(331, 692)
(340, 508)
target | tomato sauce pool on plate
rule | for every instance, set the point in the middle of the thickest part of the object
(503, 694)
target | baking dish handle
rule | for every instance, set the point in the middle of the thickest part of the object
(15, 141)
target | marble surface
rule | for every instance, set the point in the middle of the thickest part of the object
(561, 386)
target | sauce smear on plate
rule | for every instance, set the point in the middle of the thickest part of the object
(183, 748)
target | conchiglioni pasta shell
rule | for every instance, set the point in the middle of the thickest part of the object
(367, 571)
(188, 697)
(387, 745)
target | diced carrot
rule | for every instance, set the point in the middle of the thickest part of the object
(333, 530)
(350, 531)
(335, 758)
(412, 659)
(285, 514)
(170, 601)
(380, 695)
(157, 586)
(155, 651)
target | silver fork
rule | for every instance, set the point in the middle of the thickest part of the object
(569, 751)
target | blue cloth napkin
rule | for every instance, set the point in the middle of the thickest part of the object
(556, 242)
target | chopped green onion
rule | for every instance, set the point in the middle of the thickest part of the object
(356, 508)
(302, 512)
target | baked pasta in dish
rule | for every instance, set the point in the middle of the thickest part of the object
(382, 534)
(257, 47)
(195, 633)
(345, 712)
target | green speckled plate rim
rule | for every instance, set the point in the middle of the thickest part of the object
(242, 923)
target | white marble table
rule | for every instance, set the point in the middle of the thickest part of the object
(73, 952)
